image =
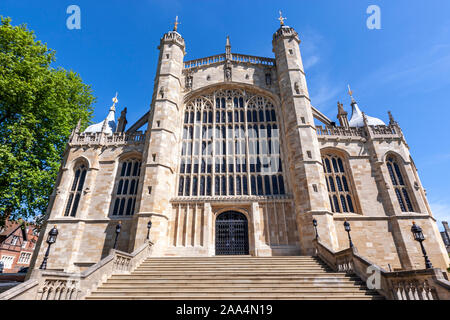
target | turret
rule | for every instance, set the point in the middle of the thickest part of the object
(342, 116)
(158, 173)
(305, 159)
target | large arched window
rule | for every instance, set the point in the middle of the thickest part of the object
(76, 190)
(399, 184)
(338, 184)
(126, 187)
(230, 146)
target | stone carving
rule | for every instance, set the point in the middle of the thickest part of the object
(189, 81)
(228, 73)
(297, 88)
(161, 92)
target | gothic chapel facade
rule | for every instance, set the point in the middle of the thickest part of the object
(232, 163)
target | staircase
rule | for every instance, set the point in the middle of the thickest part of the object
(233, 278)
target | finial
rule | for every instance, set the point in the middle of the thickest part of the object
(350, 93)
(114, 100)
(175, 24)
(228, 41)
(391, 118)
(281, 18)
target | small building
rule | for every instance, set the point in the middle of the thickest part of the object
(17, 243)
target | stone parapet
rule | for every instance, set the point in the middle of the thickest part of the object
(116, 139)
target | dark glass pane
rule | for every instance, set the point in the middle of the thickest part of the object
(335, 167)
(224, 186)
(116, 207)
(217, 185)
(244, 183)
(341, 165)
(69, 204)
(344, 205)
(208, 186)
(122, 207)
(391, 173)
(253, 183)
(132, 184)
(129, 206)
(327, 164)
(238, 185)
(408, 202)
(129, 164)
(344, 181)
(186, 117)
(260, 185)
(119, 188)
(194, 186)
(82, 178)
(135, 168)
(231, 185)
(275, 185)
(400, 200)
(274, 118)
(125, 187)
(350, 203)
(268, 115)
(75, 179)
(267, 190)
(336, 204)
(339, 184)
(124, 168)
(75, 205)
(399, 175)
(202, 185)
(330, 179)
(187, 186)
(281, 184)
(181, 186)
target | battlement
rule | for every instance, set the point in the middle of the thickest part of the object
(99, 138)
(388, 132)
(235, 57)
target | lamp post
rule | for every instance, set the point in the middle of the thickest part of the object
(418, 236)
(347, 228)
(51, 239)
(149, 226)
(315, 227)
(118, 227)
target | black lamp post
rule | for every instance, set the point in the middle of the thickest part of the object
(315, 227)
(118, 227)
(149, 226)
(51, 239)
(347, 228)
(418, 236)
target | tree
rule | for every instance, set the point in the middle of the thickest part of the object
(39, 107)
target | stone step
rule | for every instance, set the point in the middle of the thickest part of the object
(233, 278)
(253, 276)
(222, 289)
(236, 294)
(235, 282)
(232, 269)
(241, 298)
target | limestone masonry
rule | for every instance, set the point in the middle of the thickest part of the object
(231, 162)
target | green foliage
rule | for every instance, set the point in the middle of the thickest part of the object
(39, 107)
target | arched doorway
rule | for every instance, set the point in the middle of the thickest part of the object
(231, 234)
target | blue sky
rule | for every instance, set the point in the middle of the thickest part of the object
(404, 67)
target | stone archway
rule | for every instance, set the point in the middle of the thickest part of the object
(232, 234)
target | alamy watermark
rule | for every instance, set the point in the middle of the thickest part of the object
(374, 20)
(74, 20)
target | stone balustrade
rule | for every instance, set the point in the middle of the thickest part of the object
(426, 284)
(99, 138)
(390, 131)
(235, 57)
(57, 285)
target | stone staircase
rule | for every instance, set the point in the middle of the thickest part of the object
(233, 278)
